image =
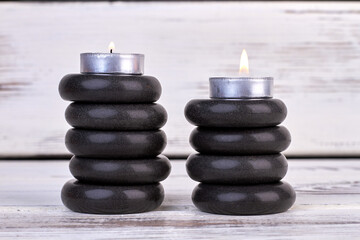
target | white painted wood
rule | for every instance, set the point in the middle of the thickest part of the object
(327, 207)
(311, 48)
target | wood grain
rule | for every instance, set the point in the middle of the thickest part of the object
(327, 207)
(310, 48)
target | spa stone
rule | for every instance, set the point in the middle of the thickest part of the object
(109, 88)
(238, 170)
(120, 171)
(236, 141)
(116, 116)
(109, 199)
(115, 144)
(235, 113)
(244, 200)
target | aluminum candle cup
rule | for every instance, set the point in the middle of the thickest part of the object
(241, 87)
(112, 63)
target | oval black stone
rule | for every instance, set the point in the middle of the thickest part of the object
(112, 144)
(105, 88)
(237, 170)
(235, 113)
(236, 141)
(244, 200)
(100, 199)
(116, 116)
(120, 172)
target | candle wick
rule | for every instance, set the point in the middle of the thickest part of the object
(110, 50)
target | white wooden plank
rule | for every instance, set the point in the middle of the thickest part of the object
(312, 50)
(327, 207)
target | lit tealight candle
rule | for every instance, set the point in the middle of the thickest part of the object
(112, 63)
(242, 87)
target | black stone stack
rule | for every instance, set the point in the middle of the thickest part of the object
(239, 163)
(116, 142)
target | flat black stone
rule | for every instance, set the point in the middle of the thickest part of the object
(116, 116)
(235, 113)
(120, 171)
(105, 88)
(236, 141)
(236, 170)
(115, 144)
(244, 200)
(100, 199)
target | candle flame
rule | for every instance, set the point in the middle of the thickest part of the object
(111, 47)
(244, 63)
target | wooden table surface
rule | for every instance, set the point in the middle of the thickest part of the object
(327, 207)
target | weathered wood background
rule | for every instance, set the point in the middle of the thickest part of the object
(312, 50)
(327, 207)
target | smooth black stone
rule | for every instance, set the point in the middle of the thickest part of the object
(116, 116)
(244, 200)
(236, 141)
(115, 144)
(235, 113)
(105, 88)
(100, 199)
(237, 170)
(119, 171)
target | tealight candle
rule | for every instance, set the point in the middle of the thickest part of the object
(112, 63)
(105, 75)
(242, 86)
